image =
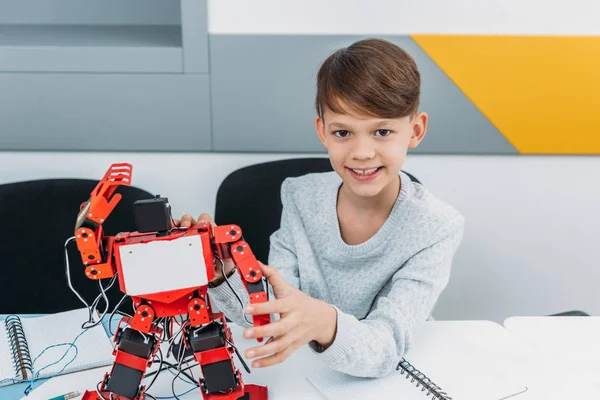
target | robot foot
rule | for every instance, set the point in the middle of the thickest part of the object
(254, 392)
(104, 395)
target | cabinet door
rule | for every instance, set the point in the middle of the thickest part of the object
(104, 112)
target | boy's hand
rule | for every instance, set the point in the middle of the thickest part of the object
(303, 319)
(188, 221)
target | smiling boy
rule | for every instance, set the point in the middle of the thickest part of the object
(362, 253)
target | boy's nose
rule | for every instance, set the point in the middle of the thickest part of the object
(362, 150)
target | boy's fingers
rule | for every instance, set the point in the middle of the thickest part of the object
(270, 307)
(176, 222)
(269, 272)
(275, 346)
(278, 328)
(206, 218)
(277, 357)
(187, 220)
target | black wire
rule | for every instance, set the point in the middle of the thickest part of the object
(173, 366)
(179, 372)
(159, 368)
(168, 325)
(240, 357)
(177, 376)
(99, 392)
(94, 305)
(112, 314)
(173, 382)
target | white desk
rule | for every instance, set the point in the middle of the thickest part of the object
(545, 376)
(284, 381)
(574, 342)
(575, 338)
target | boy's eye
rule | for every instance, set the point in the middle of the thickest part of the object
(341, 134)
(382, 132)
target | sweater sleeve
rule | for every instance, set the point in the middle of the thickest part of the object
(372, 347)
(281, 255)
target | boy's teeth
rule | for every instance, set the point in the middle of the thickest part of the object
(364, 171)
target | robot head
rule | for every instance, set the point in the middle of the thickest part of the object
(152, 215)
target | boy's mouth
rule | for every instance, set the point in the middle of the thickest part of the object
(364, 173)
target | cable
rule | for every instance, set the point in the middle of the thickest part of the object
(170, 366)
(35, 374)
(98, 391)
(101, 296)
(176, 376)
(159, 368)
(175, 396)
(112, 314)
(68, 272)
(239, 356)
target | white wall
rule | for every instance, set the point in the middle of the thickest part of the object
(404, 16)
(532, 222)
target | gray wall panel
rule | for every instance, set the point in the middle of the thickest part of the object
(263, 89)
(126, 12)
(104, 112)
(194, 35)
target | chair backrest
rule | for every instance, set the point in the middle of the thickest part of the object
(37, 218)
(250, 198)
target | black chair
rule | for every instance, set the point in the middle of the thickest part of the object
(250, 198)
(38, 217)
(574, 313)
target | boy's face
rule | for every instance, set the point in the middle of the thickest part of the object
(368, 152)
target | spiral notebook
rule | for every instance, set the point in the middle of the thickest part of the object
(23, 339)
(447, 360)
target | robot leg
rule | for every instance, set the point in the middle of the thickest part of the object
(212, 346)
(134, 354)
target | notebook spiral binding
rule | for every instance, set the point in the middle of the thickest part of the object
(422, 380)
(18, 346)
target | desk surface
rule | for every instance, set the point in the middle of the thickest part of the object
(547, 378)
(572, 341)
(577, 338)
(286, 381)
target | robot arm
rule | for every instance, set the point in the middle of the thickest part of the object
(91, 243)
(228, 239)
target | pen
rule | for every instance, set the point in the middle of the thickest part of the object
(66, 396)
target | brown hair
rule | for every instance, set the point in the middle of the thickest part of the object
(372, 77)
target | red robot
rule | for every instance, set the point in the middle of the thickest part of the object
(166, 271)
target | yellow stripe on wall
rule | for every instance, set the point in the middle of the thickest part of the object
(541, 92)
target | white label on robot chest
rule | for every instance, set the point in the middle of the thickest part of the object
(163, 265)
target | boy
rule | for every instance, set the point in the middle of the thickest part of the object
(362, 253)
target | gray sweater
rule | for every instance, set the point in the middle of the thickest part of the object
(380, 288)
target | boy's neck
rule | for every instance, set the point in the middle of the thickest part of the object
(383, 201)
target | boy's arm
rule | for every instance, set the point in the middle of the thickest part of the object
(282, 253)
(372, 347)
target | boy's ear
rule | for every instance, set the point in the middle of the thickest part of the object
(419, 129)
(320, 126)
